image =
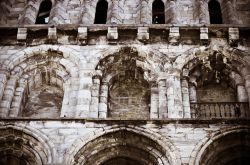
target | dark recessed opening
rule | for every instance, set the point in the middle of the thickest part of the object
(101, 12)
(44, 12)
(215, 12)
(158, 16)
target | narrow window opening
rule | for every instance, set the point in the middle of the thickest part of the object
(158, 16)
(101, 12)
(215, 12)
(44, 12)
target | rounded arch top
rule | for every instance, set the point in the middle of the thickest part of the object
(203, 145)
(201, 54)
(35, 144)
(17, 58)
(170, 154)
(149, 60)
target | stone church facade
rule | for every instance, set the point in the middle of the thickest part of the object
(128, 82)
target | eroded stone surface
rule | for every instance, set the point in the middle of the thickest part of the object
(45, 101)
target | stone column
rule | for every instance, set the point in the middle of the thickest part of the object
(170, 13)
(94, 98)
(103, 104)
(241, 93)
(240, 87)
(246, 74)
(3, 80)
(8, 96)
(174, 95)
(163, 111)
(88, 15)
(185, 98)
(146, 12)
(192, 93)
(247, 85)
(18, 98)
(113, 16)
(231, 16)
(203, 12)
(154, 114)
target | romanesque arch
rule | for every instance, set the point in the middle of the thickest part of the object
(228, 146)
(113, 64)
(123, 144)
(127, 90)
(19, 145)
(224, 79)
(39, 77)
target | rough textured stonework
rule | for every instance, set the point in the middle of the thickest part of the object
(82, 84)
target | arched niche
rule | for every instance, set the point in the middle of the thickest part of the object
(229, 148)
(23, 147)
(158, 12)
(37, 85)
(124, 146)
(127, 91)
(44, 12)
(44, 92)
(215, 13)
(101, 12)
(216, 87)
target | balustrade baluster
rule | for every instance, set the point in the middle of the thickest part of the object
(220, 110)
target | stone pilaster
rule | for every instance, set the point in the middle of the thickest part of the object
(231, 16)
(58, 13)
(170, 13)
(174, 95)
(103, 104)
(146, 12)
(94, 104)
(185, 97)
(154, 114)
(203, 12)
(88, 15)
(113, 13)
(30, 13)
(163, 111)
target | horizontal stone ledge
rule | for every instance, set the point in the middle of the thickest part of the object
(133, 121)
(124, 26)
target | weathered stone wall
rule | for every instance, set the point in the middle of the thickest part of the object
(171, 94)
(64, 139)
(86, 74)
(123, 12)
